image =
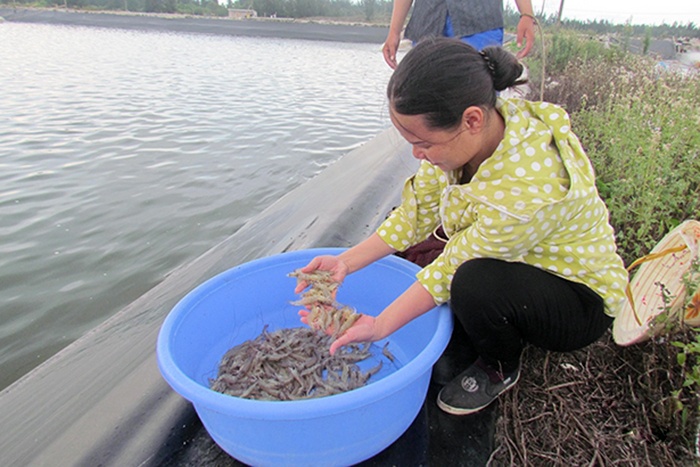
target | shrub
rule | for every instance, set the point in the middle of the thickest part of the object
(643, 140)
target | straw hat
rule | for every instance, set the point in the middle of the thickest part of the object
(665, 266)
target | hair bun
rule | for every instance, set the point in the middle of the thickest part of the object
(504, 67)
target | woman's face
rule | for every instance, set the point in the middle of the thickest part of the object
(446, 149)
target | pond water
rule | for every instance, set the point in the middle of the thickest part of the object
(125, 154)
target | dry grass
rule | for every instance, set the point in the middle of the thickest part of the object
(603, 405)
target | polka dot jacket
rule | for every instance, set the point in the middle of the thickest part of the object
(533, 201)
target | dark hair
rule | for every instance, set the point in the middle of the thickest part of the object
(441, 77)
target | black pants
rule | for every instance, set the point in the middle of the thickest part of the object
(503, 306)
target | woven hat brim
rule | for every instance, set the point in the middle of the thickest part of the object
(632, 324)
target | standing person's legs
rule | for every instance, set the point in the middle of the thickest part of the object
(502, 306)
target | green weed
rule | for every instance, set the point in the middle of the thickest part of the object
(643, 139)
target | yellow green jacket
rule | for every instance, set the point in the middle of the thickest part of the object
(533, 201)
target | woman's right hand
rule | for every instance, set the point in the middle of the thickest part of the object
(363, 330)
(337, 267)
(390, 48)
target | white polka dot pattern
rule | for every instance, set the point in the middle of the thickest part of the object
(534, 201)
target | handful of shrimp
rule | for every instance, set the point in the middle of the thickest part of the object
(325, 313)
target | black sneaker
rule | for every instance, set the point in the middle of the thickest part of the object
(473, 389)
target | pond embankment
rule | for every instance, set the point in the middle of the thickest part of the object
(283, 29)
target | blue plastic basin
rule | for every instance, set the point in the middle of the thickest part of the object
(336, 430)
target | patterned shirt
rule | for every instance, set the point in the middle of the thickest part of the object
(468, 17)
(533, 201)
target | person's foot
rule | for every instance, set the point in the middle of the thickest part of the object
(475, 388)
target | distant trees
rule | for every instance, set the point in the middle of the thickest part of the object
(358, 10)
(511, 18)
(194, 7)
(365, 9)
(370, 10)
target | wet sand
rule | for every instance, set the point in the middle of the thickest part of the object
(283, 29)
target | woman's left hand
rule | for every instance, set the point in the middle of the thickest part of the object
(525, 33)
